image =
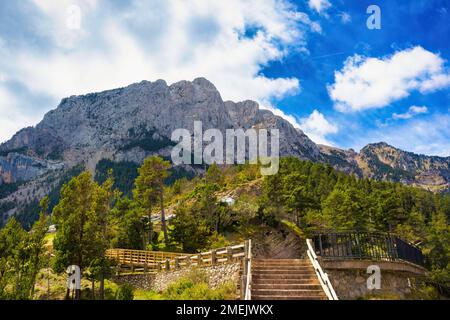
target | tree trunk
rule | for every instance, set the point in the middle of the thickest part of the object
(102, 287)
(93, 289)
(150, 228)
(163, 219)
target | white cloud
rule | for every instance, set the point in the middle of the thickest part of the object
(412, 111)
(319, 5)
(64, 20)
(366, 83)
(12, 119)
(317, 127)
(345, 17)
(171, 40)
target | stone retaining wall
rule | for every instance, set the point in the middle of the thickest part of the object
(352, 284)
(349, 278)
(138, 281)
(216, 275)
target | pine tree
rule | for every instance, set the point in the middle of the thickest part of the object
(149, 188)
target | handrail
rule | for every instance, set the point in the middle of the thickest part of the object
(248, 289)
(322, 276)
(377, 246)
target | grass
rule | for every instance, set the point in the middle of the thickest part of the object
(140, 294)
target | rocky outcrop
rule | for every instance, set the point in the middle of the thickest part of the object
(381, 161)
(17, 167)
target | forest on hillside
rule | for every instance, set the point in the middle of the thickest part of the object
(92, 216)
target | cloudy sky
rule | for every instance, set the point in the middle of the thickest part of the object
(315, 62)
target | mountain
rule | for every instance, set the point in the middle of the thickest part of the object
(126, 125)
(381, 161)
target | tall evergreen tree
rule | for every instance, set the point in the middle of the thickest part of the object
(149, 188)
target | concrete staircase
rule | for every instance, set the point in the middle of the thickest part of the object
(285, 279)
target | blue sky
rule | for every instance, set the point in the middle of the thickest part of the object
(314, 62)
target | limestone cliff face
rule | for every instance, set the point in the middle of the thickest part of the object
(17, 167)
(131, 123)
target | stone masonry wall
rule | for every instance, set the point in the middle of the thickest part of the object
(352, 284)
(139, 281)
(217, 275)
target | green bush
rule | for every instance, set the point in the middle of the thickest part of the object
(125, 292)
(195, 287)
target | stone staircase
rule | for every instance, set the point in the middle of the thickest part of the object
(285, 279)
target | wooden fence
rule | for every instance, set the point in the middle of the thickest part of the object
(149, 260)
(167, 261)
(209, 258)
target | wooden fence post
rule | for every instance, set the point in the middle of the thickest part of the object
(229, 254)
(188, 261)
(167, 265)
(213, 257)
(177, 264)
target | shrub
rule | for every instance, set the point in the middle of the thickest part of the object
(195, 287)
(125, 292)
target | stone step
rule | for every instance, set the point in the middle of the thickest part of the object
(285, 279)
(257, 276)
(266, 281)
(270, 297)
(274, 265)
(287, 292)
(282, 261)
(287, 286)
(284, 272)
(283, 269)
(285, 261)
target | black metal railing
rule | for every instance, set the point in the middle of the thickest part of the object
(366, 245)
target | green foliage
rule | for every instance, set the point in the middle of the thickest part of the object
(195, 287)
(125, 292)
(145, 139)
(124, 174)
(129, 226)
(74, 215)
(214, 176)
(29, 213)
(189, 228)
(149, 188)
(7, 188)
(21, 257)
(83, 234)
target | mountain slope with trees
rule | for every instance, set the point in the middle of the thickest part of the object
(303, 198)
(119, 128)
